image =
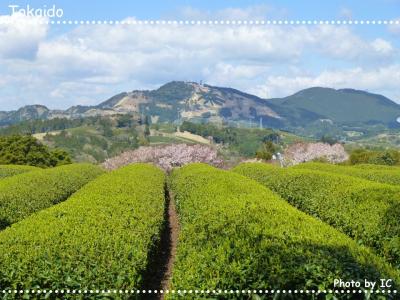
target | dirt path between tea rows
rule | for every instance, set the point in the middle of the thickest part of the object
(162, 258)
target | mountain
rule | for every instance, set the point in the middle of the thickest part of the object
(175, 101)
(184, 100)
(29, 112)
(344, 105)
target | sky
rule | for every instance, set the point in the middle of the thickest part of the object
(60, 65)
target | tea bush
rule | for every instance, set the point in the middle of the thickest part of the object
(24, 194)
(390, 176)
(11, 170)
(376, 167)
(99, 238)
(237, 234)
(364, 210)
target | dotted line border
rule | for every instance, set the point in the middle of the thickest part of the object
(193, 22)
(209, 22)
(213, 292)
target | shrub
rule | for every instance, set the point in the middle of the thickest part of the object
(385, 157)
(266, 151)
(24, 194)
(382, 175)
(236, 234)
(26, 150)
(11, 170)
(364, 210)
(97, 239)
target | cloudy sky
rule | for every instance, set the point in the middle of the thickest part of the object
(64, 65)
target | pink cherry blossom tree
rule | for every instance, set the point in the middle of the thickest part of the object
(303, 152)
(166, 157)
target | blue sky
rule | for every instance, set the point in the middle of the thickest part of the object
(64, 65)
(309, 9)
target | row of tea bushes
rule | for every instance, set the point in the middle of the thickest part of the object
(366, 211)
(376, 167)
(23, 194)
(236, 234)
(11, 170)
(382, 175)
(99, 238)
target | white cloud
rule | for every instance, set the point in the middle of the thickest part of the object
(94, 62)
(254, 12)
(20, 36)
(227, 72)
(395, 28)
(341, 43)
(381, 80)
(346, 13)
(107, 54)
(64, 90)
(382, 46)
(240, 76)
(159, 52)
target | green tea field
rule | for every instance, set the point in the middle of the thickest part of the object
(257, 231)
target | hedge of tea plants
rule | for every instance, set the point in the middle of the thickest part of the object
(11, 170)
(237, 234)
(24, 194)
(364, 210)
(376, 167)
(390, 176)
(99, 238)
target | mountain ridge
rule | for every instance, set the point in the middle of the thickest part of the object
(177, 100)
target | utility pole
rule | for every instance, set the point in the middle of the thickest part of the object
(280, 158)
(141, 115)
(261, 124)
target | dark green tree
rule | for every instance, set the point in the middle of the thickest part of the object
(60, 157)
(26, 150)
(125, 121)
(327, 139)
(147, 126)
(106, 127)
(272, 137)
(266, 151)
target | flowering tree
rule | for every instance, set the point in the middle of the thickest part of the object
(303, 152)
(166, 157)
